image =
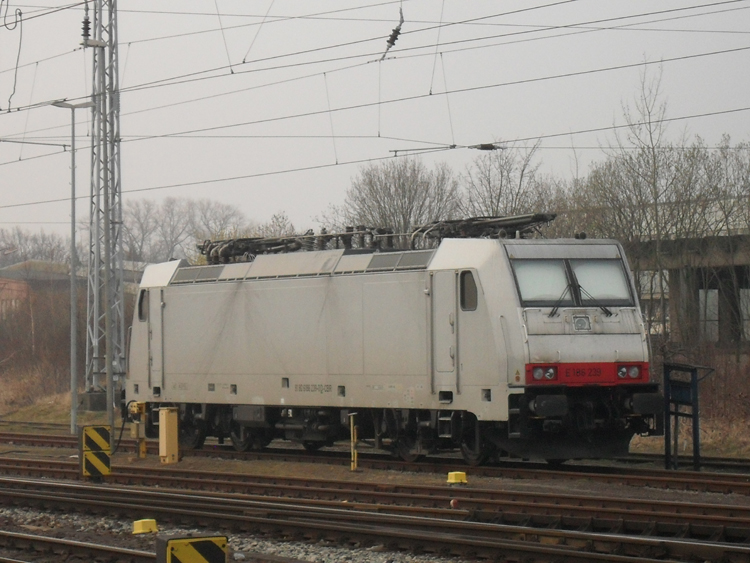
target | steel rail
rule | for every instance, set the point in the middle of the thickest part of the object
(18, 541)
(665, 518)
(736, 483)
(303, 519)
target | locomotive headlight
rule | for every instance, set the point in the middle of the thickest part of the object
(538, 373)
(634, 371)
(622, 372)
(550, 373)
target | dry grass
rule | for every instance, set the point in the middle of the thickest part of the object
(20, 389)
(26, 397)
(719, 438)
(56, 409)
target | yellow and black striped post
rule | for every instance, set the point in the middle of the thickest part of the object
(94, 452)
(191, 549)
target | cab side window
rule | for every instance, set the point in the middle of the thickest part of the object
(143, 305)
(468, 292)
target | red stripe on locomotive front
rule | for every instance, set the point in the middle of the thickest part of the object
(588, 373)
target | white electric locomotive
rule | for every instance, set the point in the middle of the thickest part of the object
(497, 346)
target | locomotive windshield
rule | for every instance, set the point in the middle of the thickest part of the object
(560, 283)
(542, 281)
(602, 281)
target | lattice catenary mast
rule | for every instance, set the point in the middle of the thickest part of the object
(105, 335)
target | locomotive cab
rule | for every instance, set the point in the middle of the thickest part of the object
(586, 381)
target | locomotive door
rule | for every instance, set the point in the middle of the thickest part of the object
(155, 339)
(444, 331)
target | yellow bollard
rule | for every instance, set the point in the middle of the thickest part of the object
(138, 426)
(147, 526)
(353, 436)
(168, 440)
(456, 477)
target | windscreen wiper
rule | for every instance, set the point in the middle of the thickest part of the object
(553, 312)
(593, 301)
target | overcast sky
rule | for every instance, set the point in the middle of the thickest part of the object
(274, 105)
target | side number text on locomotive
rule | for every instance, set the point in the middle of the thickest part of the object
(312, 388)
(581, 373)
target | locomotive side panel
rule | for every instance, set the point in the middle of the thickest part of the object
(395, 325)
(345, 326)
(296, 341)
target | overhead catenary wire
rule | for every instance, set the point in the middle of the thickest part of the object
(16, 24)
(219, 180)
(462, 90)
(257, 32)
(410, 98)
(31, 97)
(151, 85)
(328, 110)
(583, 26)
(437, 46)
(330, 118)
(222, 68)
(368, 160)
(224, 37)
(447, 100)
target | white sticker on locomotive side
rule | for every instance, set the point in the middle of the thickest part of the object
(312, 388)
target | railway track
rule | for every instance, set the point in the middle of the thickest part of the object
(718, 522)
(736, 483)
(28, 548)
(300, 520)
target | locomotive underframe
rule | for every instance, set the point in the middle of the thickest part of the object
(553, 422)
(409, 433)
(561, 422)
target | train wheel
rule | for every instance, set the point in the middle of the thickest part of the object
(312, 446)
(407, 449)
(472, 455)
(238, 442)
(192, 434)
(266, 437)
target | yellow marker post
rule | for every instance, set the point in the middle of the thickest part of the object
(168, 438)
(138, 428)
(353, 436)
(191, 549)
(94, 451)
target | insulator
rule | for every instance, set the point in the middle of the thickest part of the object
(394, 35)
(86, 28)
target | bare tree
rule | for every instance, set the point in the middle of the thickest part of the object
(174, 229)
(18, 245)
(503, 182)
(214, 220)
(140, 224)
(278, 226)
(398, 194)
(156, 232)
(729, 175)
(649, 189)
